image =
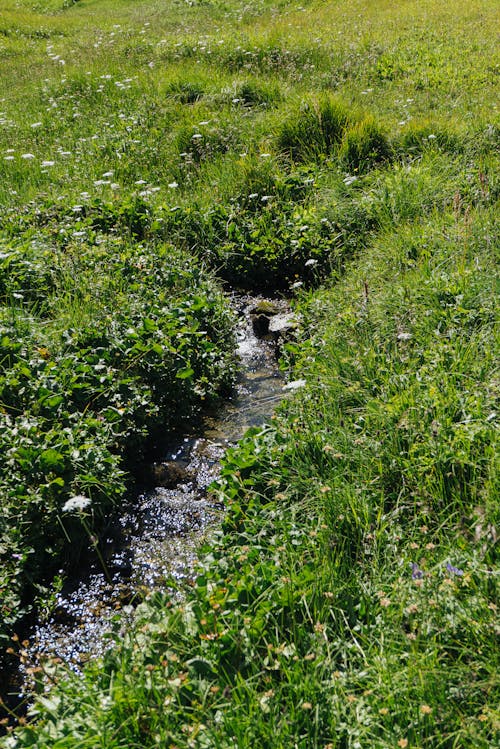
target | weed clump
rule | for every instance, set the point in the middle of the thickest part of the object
(315, 130)
(419, 136)
(196, 144)
(185, 92)
(252, 93)
(364, 145)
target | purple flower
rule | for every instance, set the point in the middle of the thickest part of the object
(454, 570)
(416, 572)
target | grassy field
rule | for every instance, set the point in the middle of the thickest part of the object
(346, 155)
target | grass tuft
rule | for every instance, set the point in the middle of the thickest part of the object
(315, 130)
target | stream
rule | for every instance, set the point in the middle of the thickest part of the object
(157, 536)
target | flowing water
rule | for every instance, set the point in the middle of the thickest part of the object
(158, 534)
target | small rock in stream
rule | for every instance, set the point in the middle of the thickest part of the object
(167, 474)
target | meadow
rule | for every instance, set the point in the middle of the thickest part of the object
(154, 154)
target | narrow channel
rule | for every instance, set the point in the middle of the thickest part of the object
(161, 529)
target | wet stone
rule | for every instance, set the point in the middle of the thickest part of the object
(170, 473)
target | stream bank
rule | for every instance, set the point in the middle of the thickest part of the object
(156, 537)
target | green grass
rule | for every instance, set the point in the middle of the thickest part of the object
(346, 154)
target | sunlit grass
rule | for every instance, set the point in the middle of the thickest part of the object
(350, 599)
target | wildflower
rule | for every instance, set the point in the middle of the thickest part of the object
(306, 706)
(454, 570)
(77, 503)
(425, 709)
(404, 336)
(416, 572)
(403, 743)
(349, 179)
(385, 602)
(8, 158)
(48, 163)
(310, 262)
(36, 124)
(383, 711)
(173, 185)
(27, 156)
(294, 385)
(412, 608)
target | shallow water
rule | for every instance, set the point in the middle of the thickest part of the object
(158, 534)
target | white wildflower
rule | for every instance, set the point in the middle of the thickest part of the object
(76, 504)
(294, 385)
(404, 336)
(27, 156)
(173, 185)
